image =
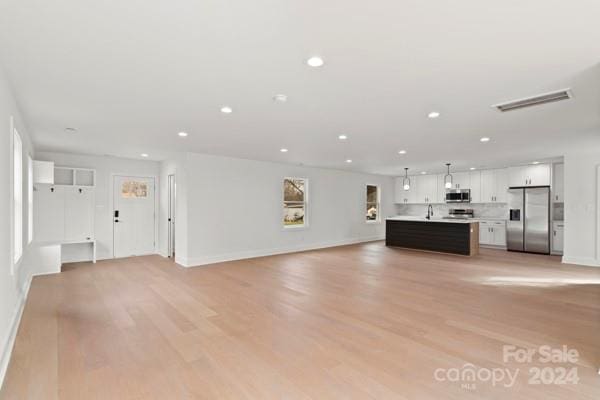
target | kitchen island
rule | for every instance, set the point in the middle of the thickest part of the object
(455, 236)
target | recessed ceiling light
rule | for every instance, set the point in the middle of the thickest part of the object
(283, 150)
(484, 139)
(402, 152)
(423, 172)
(226, 110)
(348, 161)
(342, 137)
(144, 155)
(182, 134)
(535, 162)
(472, 168)
(315, 61)
(70, 130)
(433, 114)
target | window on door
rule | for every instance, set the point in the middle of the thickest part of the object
(17, 196)
(134, 189)
(372, 203)
(294, 202)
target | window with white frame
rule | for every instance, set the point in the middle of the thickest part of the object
(29, 199)
(372, 203)
(294, 202)
(17, 196)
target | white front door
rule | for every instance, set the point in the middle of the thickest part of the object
(133, 216)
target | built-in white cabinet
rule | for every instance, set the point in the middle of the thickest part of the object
(460, 180)
(406, 196)
(492, 233)
(43, 172)
(558, 185)
(63, 213)
(475, 186)
(64, 210)
(48, 212)
(427, 189)
(79, 209)
(529, 175)
(494, 185)
(558, 235)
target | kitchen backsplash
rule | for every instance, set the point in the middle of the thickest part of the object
(488, 210)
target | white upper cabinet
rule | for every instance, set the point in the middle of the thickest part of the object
(43, 172)
(494, 184)
(529, 175)
(406, 196)
(501, 185)
(461, 180)
(475, 186)
(558, 186)
(427, 189)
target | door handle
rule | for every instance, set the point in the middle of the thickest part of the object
(116, 220)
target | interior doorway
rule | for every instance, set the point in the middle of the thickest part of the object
(133, 216)
(171, 217)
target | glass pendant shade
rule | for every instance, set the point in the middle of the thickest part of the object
(406, 180)
(448, 178)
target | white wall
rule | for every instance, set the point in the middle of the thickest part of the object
(13, 283)
(581, 206)
(105, 167)
(235, 209)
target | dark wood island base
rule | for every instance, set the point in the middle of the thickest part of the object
(454, 237)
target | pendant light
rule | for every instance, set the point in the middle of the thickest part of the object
(406, 180)
(448, 178)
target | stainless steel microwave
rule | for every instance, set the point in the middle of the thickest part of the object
(458, 195)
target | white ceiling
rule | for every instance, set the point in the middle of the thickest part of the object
(130, 74)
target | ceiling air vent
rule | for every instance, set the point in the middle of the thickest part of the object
(534, 101)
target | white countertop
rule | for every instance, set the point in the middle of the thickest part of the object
(433, 219)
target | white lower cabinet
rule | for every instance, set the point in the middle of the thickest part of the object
(558, 235)
(492, 233)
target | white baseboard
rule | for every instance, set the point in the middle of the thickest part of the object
(241, 255)
(586, 261)
(7, 346)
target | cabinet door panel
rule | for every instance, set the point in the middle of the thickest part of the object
(499, 234)
(461, 180)
(558, 184)
(558, 238)
(79, 213)
(49, 213)
(427, 189)
(475, 186)
(501, 182)
(517, 176)
(488, 186)
(539, 175)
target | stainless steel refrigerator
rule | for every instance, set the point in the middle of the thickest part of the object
(528, 226)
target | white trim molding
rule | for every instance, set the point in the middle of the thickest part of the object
(584, 261)
(9, 341)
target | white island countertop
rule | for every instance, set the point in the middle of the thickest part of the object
(433, 219)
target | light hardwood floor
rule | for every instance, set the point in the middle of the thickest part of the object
(353, 322)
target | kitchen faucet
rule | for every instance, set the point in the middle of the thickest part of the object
(429, 211)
